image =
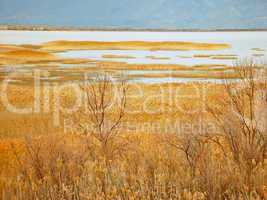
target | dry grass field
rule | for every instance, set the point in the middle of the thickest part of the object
(67, 136)
(169, 143)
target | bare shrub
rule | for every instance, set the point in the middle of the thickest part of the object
(242, 119)
(106, 102)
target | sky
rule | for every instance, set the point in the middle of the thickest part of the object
(162, 14)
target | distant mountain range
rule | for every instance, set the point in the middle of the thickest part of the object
(140, 14)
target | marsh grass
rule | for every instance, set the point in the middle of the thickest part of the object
(130, 45)
(225, 165)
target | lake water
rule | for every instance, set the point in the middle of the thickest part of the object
(241, 43)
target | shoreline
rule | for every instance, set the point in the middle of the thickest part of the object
(4, 27)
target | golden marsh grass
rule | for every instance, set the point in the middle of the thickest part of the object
(162, 141)
(129, 45)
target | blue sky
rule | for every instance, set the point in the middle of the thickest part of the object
(137, 13)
